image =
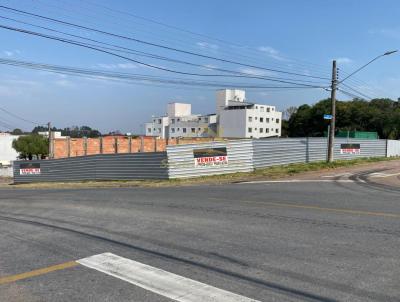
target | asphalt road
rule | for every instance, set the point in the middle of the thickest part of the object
(289, 241)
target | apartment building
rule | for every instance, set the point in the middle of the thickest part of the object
(235, 117)
(238, 118)
(180, 122)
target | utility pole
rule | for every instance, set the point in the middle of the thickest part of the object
(331, 137)
(50, 141)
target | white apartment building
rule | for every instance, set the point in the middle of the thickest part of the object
(180, 122)
(238, 118)
(235, 118)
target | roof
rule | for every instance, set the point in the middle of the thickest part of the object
(236, 103)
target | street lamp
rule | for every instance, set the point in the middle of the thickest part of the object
(333, 99)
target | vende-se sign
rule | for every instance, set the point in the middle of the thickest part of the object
(350, 149)
(29, 169)
(210, 157)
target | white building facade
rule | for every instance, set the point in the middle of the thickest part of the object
(235, 118)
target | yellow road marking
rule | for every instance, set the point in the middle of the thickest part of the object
(38, 272)
(289, 205)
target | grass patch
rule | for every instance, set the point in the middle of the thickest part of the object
(273, 172)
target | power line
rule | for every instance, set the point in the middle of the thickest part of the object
(243, 49)
(357, 91)
(154, 44)
(351, 94)
(135, 77)
(68, 41)
(150, 55)
(18, 117)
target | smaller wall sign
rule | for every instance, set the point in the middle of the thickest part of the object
(29, 169)
(210, 157)
(350, 149)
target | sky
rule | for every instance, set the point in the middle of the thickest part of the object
(294, 41)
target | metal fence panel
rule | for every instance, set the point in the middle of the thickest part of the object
(272, 152)
(181, 162)
(368, 148)
(393, 148)
(98, 167)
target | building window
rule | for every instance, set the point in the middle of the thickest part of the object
(262, 109)
(199, 129)
(173, 121)
(206, 119)
(261, 130)
(273, 109)
(184, 130)
(268, 109)
(276, 130)
(250, 119)
(148, 129)
(267, 120)
(249, 130)
(177, 129)
(272, 119)
(261, 119)
(256, 118)
(159, 121)
(256, 107)
(266, 130)
(159, 130)
(272, 129)
(193, 130)
(277, 121)
(154, 129)
(178, 120)
(173, 130)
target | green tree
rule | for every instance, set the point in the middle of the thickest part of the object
(378, 115)
(29, 145)
(17, 131)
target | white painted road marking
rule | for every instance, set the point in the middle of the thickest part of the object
(378, 174)
(296, 181)
(159, 281)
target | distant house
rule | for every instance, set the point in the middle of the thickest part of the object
(7, 152)
(235, 117)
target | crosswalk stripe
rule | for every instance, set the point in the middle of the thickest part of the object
(156, 280)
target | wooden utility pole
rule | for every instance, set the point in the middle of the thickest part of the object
(331, 137)
(50, 140)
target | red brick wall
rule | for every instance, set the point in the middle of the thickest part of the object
(93, 145)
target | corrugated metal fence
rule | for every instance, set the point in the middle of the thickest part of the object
(194, 160)
(181, 161)
(393, 148)
(246, 155)
(96, 167)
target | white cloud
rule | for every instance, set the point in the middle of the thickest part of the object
(64, 83)
(393, 33)
(209, 67)
(272, 52)
(206, 45)
(344, 60)
(256, 72)
(11, 53)
(117, 66)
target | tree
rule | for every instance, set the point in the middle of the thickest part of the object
(17, 131)
(289, 112)
(73, 131)
(29, 145)
(378, 115)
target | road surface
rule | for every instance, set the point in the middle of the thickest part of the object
(335, 237)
